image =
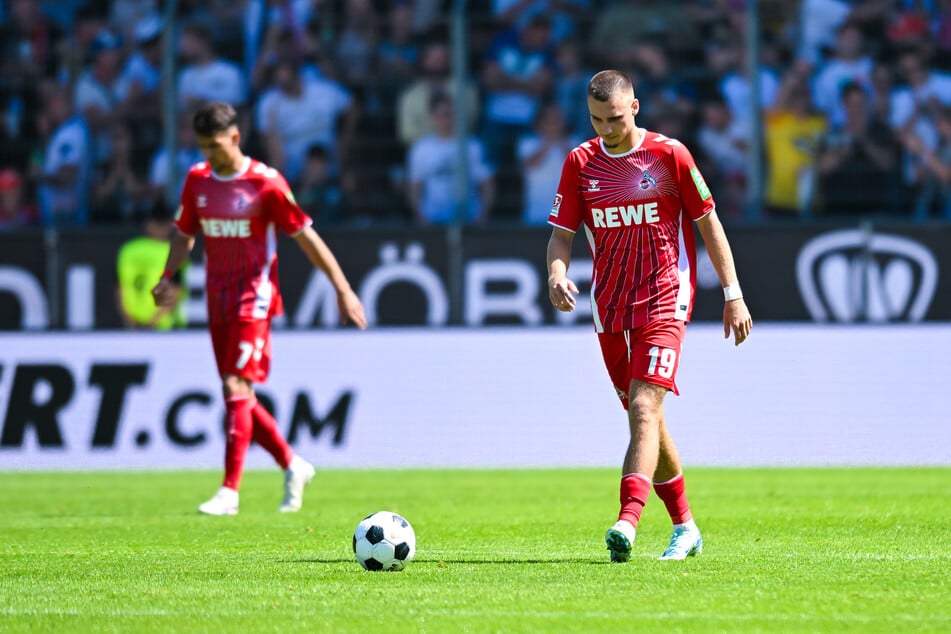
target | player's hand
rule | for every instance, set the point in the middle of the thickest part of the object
(165, 293)
(736, 317)
(562, 293)
(351, 309)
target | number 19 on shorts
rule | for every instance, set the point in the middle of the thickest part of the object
(663, 362)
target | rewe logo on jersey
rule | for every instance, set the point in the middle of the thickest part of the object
(625, 215)
(226, 227)
(855, 275)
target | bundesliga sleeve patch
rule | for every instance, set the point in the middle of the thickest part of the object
(556, 205)
(702, 188)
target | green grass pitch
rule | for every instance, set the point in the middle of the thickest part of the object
(785, 550)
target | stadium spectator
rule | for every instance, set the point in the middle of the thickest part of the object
(15, 210)
(434, 76)
(250, 198)
(517, 73)
(818, 22)
(137, 88)
(398, 51)
(186, 155)
(792, 131)
(432, 168)
(206, 76)
(65, 173)
(355, 48)
(642, 287)
(97, 98)
(858, 160)
(29, 54)
(933, 170)
(126, 15)
(73, 53)
(914, 105)
(284, 47)
(735, 86)
(541, 155)
(849, 63)
(565, 14)
(294, 115)
(319, 192)
(571, 86)
(119, 193)
(723, 154)
(657, 22)
(140, 263)
(29, 43)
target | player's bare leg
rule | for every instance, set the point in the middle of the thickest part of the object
(685, 541)
(645, 414)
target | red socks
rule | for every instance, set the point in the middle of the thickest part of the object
(635, 487)
(673, 493)
(267, 435)
(238, 425)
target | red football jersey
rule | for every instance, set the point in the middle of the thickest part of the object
(236, 216)
(633, 206)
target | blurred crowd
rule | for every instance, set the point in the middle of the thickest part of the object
(353, 100)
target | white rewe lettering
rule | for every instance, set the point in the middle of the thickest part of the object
(597, 215)
(226, 228)
(625, 216)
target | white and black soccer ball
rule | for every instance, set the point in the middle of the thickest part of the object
(384, 541)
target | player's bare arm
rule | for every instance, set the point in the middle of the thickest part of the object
(317, 251)
(166, 291)
(736, 316)
(561, 290)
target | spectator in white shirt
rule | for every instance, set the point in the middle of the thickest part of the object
(295, 114)
(433, 164)
(205, 76)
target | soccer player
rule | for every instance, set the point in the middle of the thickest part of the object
(236, 202)
(634, 190)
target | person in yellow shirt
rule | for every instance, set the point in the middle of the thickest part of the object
(139, 266)
(792, 132)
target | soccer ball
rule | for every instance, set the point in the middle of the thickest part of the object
(384, 541)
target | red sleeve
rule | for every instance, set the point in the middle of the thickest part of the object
(282, 207)
(187, 218)
(696, 196)
(567, 210)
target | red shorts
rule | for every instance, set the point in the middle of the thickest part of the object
(243, 348)
(650, 354)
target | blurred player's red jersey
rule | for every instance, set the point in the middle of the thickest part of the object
(236, 216)
(633, 208)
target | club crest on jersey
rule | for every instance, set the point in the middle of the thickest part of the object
(593, 185)
(556, 205)
(241, 203)
(648, 181)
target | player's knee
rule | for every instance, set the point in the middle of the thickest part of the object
(645, 405)
(233, 385)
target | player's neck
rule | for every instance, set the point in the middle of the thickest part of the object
(634, 141)
(239, 164)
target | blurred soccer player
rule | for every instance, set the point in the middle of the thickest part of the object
(633, 190)
(235, 202)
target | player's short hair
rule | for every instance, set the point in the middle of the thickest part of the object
(608, 83)
(213, 118)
